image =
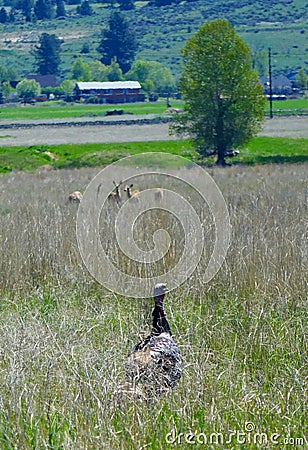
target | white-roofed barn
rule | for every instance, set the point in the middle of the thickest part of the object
(110, 91)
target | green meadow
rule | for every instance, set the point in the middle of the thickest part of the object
(260, 150)
(62, 110)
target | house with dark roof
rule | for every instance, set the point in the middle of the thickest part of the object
(109, 91)
(44, 80)
(280, 85)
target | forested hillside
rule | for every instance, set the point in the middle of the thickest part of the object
(161, 28)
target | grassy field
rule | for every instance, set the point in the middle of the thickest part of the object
(64, 339)
(260, 150)
(62, 110)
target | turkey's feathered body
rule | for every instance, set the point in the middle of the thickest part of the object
(155, 363)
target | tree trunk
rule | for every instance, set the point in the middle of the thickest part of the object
(220, 144)
(221, 156)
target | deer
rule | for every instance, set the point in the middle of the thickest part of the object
(115, 195)
(75, 197)
(134, 195)
(158, 195)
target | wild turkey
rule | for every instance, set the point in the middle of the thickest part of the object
(155, 364)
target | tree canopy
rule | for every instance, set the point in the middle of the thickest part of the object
(80, 71)
(98, 71)
(84, 9)
(118, 42)
(43, 9)
(302, 79)
(224, 100)
(152, 76)
(3, 16)
(47, 54)
(7, 73)
(126, 5)
(28, 89)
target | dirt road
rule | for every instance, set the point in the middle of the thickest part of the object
(49, 133)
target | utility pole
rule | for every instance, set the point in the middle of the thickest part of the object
(270, 81)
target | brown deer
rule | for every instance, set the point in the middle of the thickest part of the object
(158, 195)
(134, 195)
(75, 197)
(115, 195)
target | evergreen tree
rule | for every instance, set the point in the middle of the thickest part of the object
(126, 5)
(3, 15)
(26, 7)
(163, 2)
(12, 15)
(43, 9)
(60, 9)
(85, 48)
(84, 9)
(47, 54)
(119, 42)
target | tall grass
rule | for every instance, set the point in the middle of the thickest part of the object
(64, 338)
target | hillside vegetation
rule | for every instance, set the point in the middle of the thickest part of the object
(162, 32)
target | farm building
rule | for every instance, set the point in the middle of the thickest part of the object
(280, 85)
(44, 80)
(109, 91)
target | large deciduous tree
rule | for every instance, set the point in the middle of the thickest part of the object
(98, 71)
(118, 42)
(47, 54)
(224, 100)
(302, 79)
(154, 74)
(7, 73)
(28, 89)
(80, 71)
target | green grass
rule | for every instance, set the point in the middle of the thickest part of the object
(260, 150)
(61, 110)
(288, 107)
(301, 103)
